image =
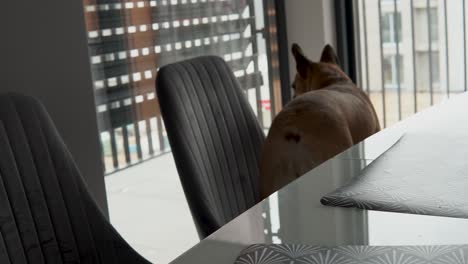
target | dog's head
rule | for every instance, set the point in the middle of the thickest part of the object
(316, 75)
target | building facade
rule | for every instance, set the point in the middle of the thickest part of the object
(411, 53)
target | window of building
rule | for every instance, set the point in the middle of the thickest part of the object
(392, 65)
(390, 29)
(435, 68)
(434, 24)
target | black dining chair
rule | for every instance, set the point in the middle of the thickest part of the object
(215, 139)
(46, 212)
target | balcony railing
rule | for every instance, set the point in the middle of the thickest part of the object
(412, 54)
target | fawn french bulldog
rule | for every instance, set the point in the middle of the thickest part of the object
(328, 114)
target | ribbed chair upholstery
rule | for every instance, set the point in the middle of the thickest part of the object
(46, 212)
(215, 139)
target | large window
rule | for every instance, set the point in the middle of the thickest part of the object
(130, 40)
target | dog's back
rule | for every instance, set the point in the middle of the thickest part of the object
(312, 128)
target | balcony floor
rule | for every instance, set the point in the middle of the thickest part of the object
(148, 207)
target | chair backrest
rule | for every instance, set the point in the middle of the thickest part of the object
(46, 212)
(215, 138)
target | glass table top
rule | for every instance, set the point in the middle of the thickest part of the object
(294, 214)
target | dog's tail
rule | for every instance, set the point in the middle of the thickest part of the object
(286, 156)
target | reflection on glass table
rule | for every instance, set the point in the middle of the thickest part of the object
(294, 214)
(301, 218)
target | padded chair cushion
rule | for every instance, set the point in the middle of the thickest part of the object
(215, 138)
(288, 254)
(46, 212)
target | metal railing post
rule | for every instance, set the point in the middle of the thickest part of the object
(382, 63)
(413, 47)
(366, 52)
(464, 44)
(429, 37)
(397, 27)
(447, 66)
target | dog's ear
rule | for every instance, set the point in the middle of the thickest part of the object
(329, 55)
(301, 60)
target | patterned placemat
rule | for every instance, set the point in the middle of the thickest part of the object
(289, 254)
(421, 174)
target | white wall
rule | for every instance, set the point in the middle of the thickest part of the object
(311, 24)
(44, 53)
